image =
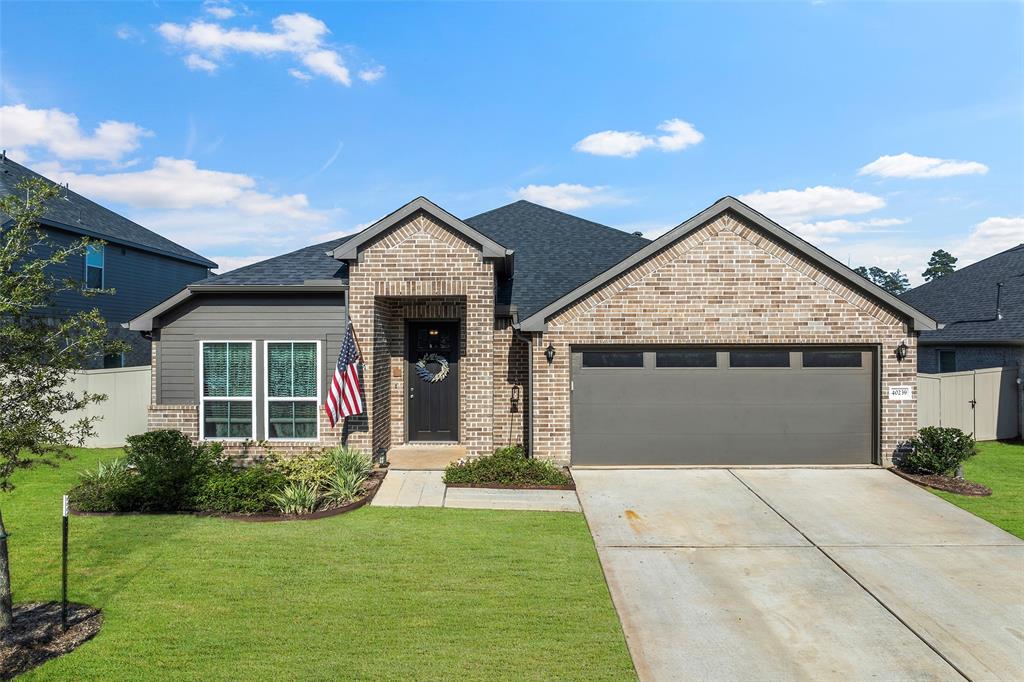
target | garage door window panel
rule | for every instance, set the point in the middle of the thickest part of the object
(686, 358)
(759, 359)
(613, 359)
(833, 359)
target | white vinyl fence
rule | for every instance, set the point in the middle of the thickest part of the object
(123, 412)
(985, 402)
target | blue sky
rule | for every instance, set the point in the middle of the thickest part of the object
(878, 132)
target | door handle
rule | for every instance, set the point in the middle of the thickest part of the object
(973, 403)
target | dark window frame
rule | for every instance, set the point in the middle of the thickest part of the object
(90, 251)
(947, 352)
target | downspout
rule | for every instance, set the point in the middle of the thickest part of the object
(529, 389)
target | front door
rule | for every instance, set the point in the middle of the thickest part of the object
(432, 376)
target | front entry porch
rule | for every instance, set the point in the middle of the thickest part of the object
(424, 457)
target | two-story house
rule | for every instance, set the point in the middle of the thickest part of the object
(141, 267)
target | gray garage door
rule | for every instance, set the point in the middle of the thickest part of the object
(722, 406)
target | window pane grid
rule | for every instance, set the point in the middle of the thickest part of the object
(292, 400)
(227, 390)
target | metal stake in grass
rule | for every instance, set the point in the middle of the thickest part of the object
(64, 567)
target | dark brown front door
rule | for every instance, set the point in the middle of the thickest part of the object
(433, 390)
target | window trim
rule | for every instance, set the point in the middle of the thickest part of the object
(204, 399)
(267, 399)
(102, 247)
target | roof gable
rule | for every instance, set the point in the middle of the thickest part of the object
(538, 320)
(349, 250)
(74, 213)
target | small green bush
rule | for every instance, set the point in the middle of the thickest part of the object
(938, 450)
(112, 486)
(345, 486)
(507, 466)
(245, 491)
(170, 469)
(313, 467)
(351, 461)
(297, 498)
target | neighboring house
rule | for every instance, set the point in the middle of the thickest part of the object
(141, 266)
(981, 308)
(727, 340)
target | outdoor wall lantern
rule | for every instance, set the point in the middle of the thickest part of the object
(901, 351)
(549, 353)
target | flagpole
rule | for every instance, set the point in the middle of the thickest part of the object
(355, 337)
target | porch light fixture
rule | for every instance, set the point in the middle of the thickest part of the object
(549, 353)
(901, 352)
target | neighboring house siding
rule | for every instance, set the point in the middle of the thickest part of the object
(141, 279)
(970, 357)
(240, 317)
(725, 283)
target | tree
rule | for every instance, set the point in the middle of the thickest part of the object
(894, 282)
(40, 346)
(941, 263)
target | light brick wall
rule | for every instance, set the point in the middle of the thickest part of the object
(726, 283)
(511, 392)
(418, 268)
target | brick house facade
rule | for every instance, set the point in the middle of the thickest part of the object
(726, 278)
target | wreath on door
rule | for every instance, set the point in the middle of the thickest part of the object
(426, 374)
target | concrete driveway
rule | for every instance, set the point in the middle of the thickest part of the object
(804, 574)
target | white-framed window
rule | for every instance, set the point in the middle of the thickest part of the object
(227, 405)
(292, 405)
(94, 258)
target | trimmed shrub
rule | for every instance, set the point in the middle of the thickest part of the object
(313, 467)
(507, 466)
(170, 469)
(938, 450)
(246, 491)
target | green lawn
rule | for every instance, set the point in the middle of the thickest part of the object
(373, 594)
(1000, 466)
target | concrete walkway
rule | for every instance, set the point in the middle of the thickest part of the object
(427, 489)
(804, 574)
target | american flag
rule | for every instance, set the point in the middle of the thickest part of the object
(343, 399)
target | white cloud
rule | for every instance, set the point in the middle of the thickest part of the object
(567, 197)
(680, 135)
(218, 9)
(911, 166)
(60, 134)
(372, 74)
(300, 35)
(327, 63)
(229, 263)
(300, 74)
(829, 231)
(626, 144)
(197, 63)
(799, 205)
(127, 32)
(991, 236)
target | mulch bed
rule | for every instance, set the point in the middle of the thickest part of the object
(947, 484)
(372, 485)
(36, 635)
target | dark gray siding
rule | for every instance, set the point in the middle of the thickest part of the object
(244, 317)
(970, 357)
(141, 279)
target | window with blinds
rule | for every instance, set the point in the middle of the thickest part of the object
(228, 398)
(293, 397)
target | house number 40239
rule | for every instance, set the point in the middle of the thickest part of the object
(901, 393)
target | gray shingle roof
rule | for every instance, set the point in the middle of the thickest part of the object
(309, 262)
(77, 214)
(554, 252)
(965, 301)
